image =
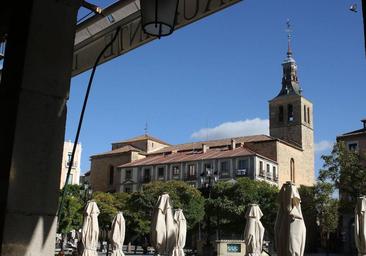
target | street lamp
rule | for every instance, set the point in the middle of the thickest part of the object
(87, 192)
(158, 16)
(208, 180)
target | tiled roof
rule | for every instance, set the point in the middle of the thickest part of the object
(212, 143)
(142, 137)
(356, 132)
(118, 151)
(190, 156)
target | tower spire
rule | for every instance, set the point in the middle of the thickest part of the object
(290, 83)
(289, 30)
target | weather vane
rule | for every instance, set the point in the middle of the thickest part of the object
(146, 128)
(288, 29)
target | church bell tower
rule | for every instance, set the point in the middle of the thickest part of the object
(291, 114)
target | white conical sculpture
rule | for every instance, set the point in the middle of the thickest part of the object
(90, 230)
(254, 231)
(290, 230)
(360, 225)
(118, 234)
(162, 226)
(180, 233)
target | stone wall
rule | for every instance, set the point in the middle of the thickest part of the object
(360, 139)
(100, 170)
(304, 165)
(264, 148)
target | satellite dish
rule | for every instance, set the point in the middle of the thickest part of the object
(353, 8)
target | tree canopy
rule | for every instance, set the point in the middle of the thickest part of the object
(72, 210)
(229, 201)
(343, 170)
(107, 204)
(141, 204)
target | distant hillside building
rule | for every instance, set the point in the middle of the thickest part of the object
(287, 154)
(75, 169)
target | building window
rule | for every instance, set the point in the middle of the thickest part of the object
(275, 176)
(161, 173)
(128, 188)
(269, 172)
(280, 115)
(305, 114)
(70, 180)
(352, 146)
(176, 171)
(207, 166)
(111, 174)
(192, 171)
(309, 115)
(242, 167)
(128, 175)
(224, 168)
(242, 164)
(147, 175)
(261, 171)
(290, 113)
(68, 159)
(292, 170)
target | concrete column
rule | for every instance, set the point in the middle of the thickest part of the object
(33, 92)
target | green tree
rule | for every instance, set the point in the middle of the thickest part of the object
(343, 169)
(121, 200)
(72, 210)
(140, 205)
(229, 202)
(107, 205)
(310, 214)
(327, 211)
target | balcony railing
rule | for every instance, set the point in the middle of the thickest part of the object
(176, 176)
(74, 164)
(190, 177)
(269, 175)
(161, 177)
(241, 173)
(262, 173)
(224, 174)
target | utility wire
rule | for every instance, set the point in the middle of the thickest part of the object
(63, 193)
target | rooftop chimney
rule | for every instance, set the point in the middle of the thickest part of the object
(204, 148)
(233, 144)
(364, 123)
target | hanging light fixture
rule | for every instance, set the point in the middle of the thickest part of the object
(158, 16)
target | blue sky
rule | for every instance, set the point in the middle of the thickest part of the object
(222, 70)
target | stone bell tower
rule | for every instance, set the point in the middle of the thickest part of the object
(291, 114)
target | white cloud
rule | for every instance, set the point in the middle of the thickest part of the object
(234, 129)
(323, 145)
